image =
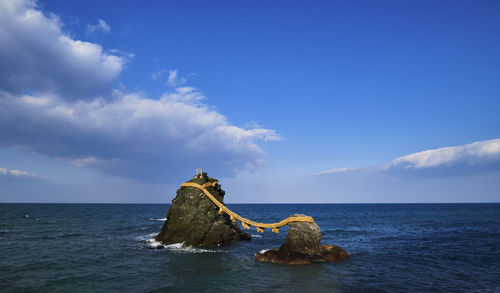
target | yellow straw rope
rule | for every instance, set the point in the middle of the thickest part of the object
(245, 223)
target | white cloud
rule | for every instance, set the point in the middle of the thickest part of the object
(101, 25)
(83, 162)
(17, 173)
(131, 134)
(337, 170)
(470, 155)
(184, 94)
(55, 106)
(474, 157)
(174, 79)
(157, 75)
(36, 56)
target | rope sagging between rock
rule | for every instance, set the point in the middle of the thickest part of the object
(245, 223)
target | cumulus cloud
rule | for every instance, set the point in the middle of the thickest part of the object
(479, 156)
(17, 173)
(132, 135)
(37, 57)
(52, 103)
(100, 26)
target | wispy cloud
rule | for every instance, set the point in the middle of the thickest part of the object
(338, 170)
(157, 75)
(17, 173)
(170, 77)
(100, 26)
(474, 157)
(174, 79)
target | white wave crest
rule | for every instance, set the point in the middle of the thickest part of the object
(9, 231)
(263, 251)
(161, 219)
(256, 235)
(150, 242)
(147, 237)
(180, 247)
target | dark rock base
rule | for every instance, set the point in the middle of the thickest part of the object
(325, 253)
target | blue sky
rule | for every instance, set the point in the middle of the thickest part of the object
(283, 101)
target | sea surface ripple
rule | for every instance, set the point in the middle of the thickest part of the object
(110, 248)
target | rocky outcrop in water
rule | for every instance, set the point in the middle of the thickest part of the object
(193, 219)
(302, 246)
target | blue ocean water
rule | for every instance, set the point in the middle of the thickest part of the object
(108, 248)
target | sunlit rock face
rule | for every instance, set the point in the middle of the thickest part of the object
(302, 246)
(193, 219)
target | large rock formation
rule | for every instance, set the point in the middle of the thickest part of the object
(302, 246)
(193, 219)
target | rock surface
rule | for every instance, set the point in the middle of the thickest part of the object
(302, 246)
(193, 219)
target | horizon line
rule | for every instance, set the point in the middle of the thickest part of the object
(269, 203)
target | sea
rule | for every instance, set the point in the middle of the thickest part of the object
(110, 248)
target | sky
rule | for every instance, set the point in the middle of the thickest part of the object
(282, 101)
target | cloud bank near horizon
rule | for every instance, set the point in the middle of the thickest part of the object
(481, 156)
(57, 99)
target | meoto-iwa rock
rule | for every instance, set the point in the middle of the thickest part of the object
(303, 246)
(199, 218)
(193, 219)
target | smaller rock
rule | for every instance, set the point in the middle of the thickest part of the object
(302, 237)
(302, 246)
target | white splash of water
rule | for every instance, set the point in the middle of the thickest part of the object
(176, 247)
(180, 247)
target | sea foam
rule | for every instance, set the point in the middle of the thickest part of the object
(150, 242)
(180, 247)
